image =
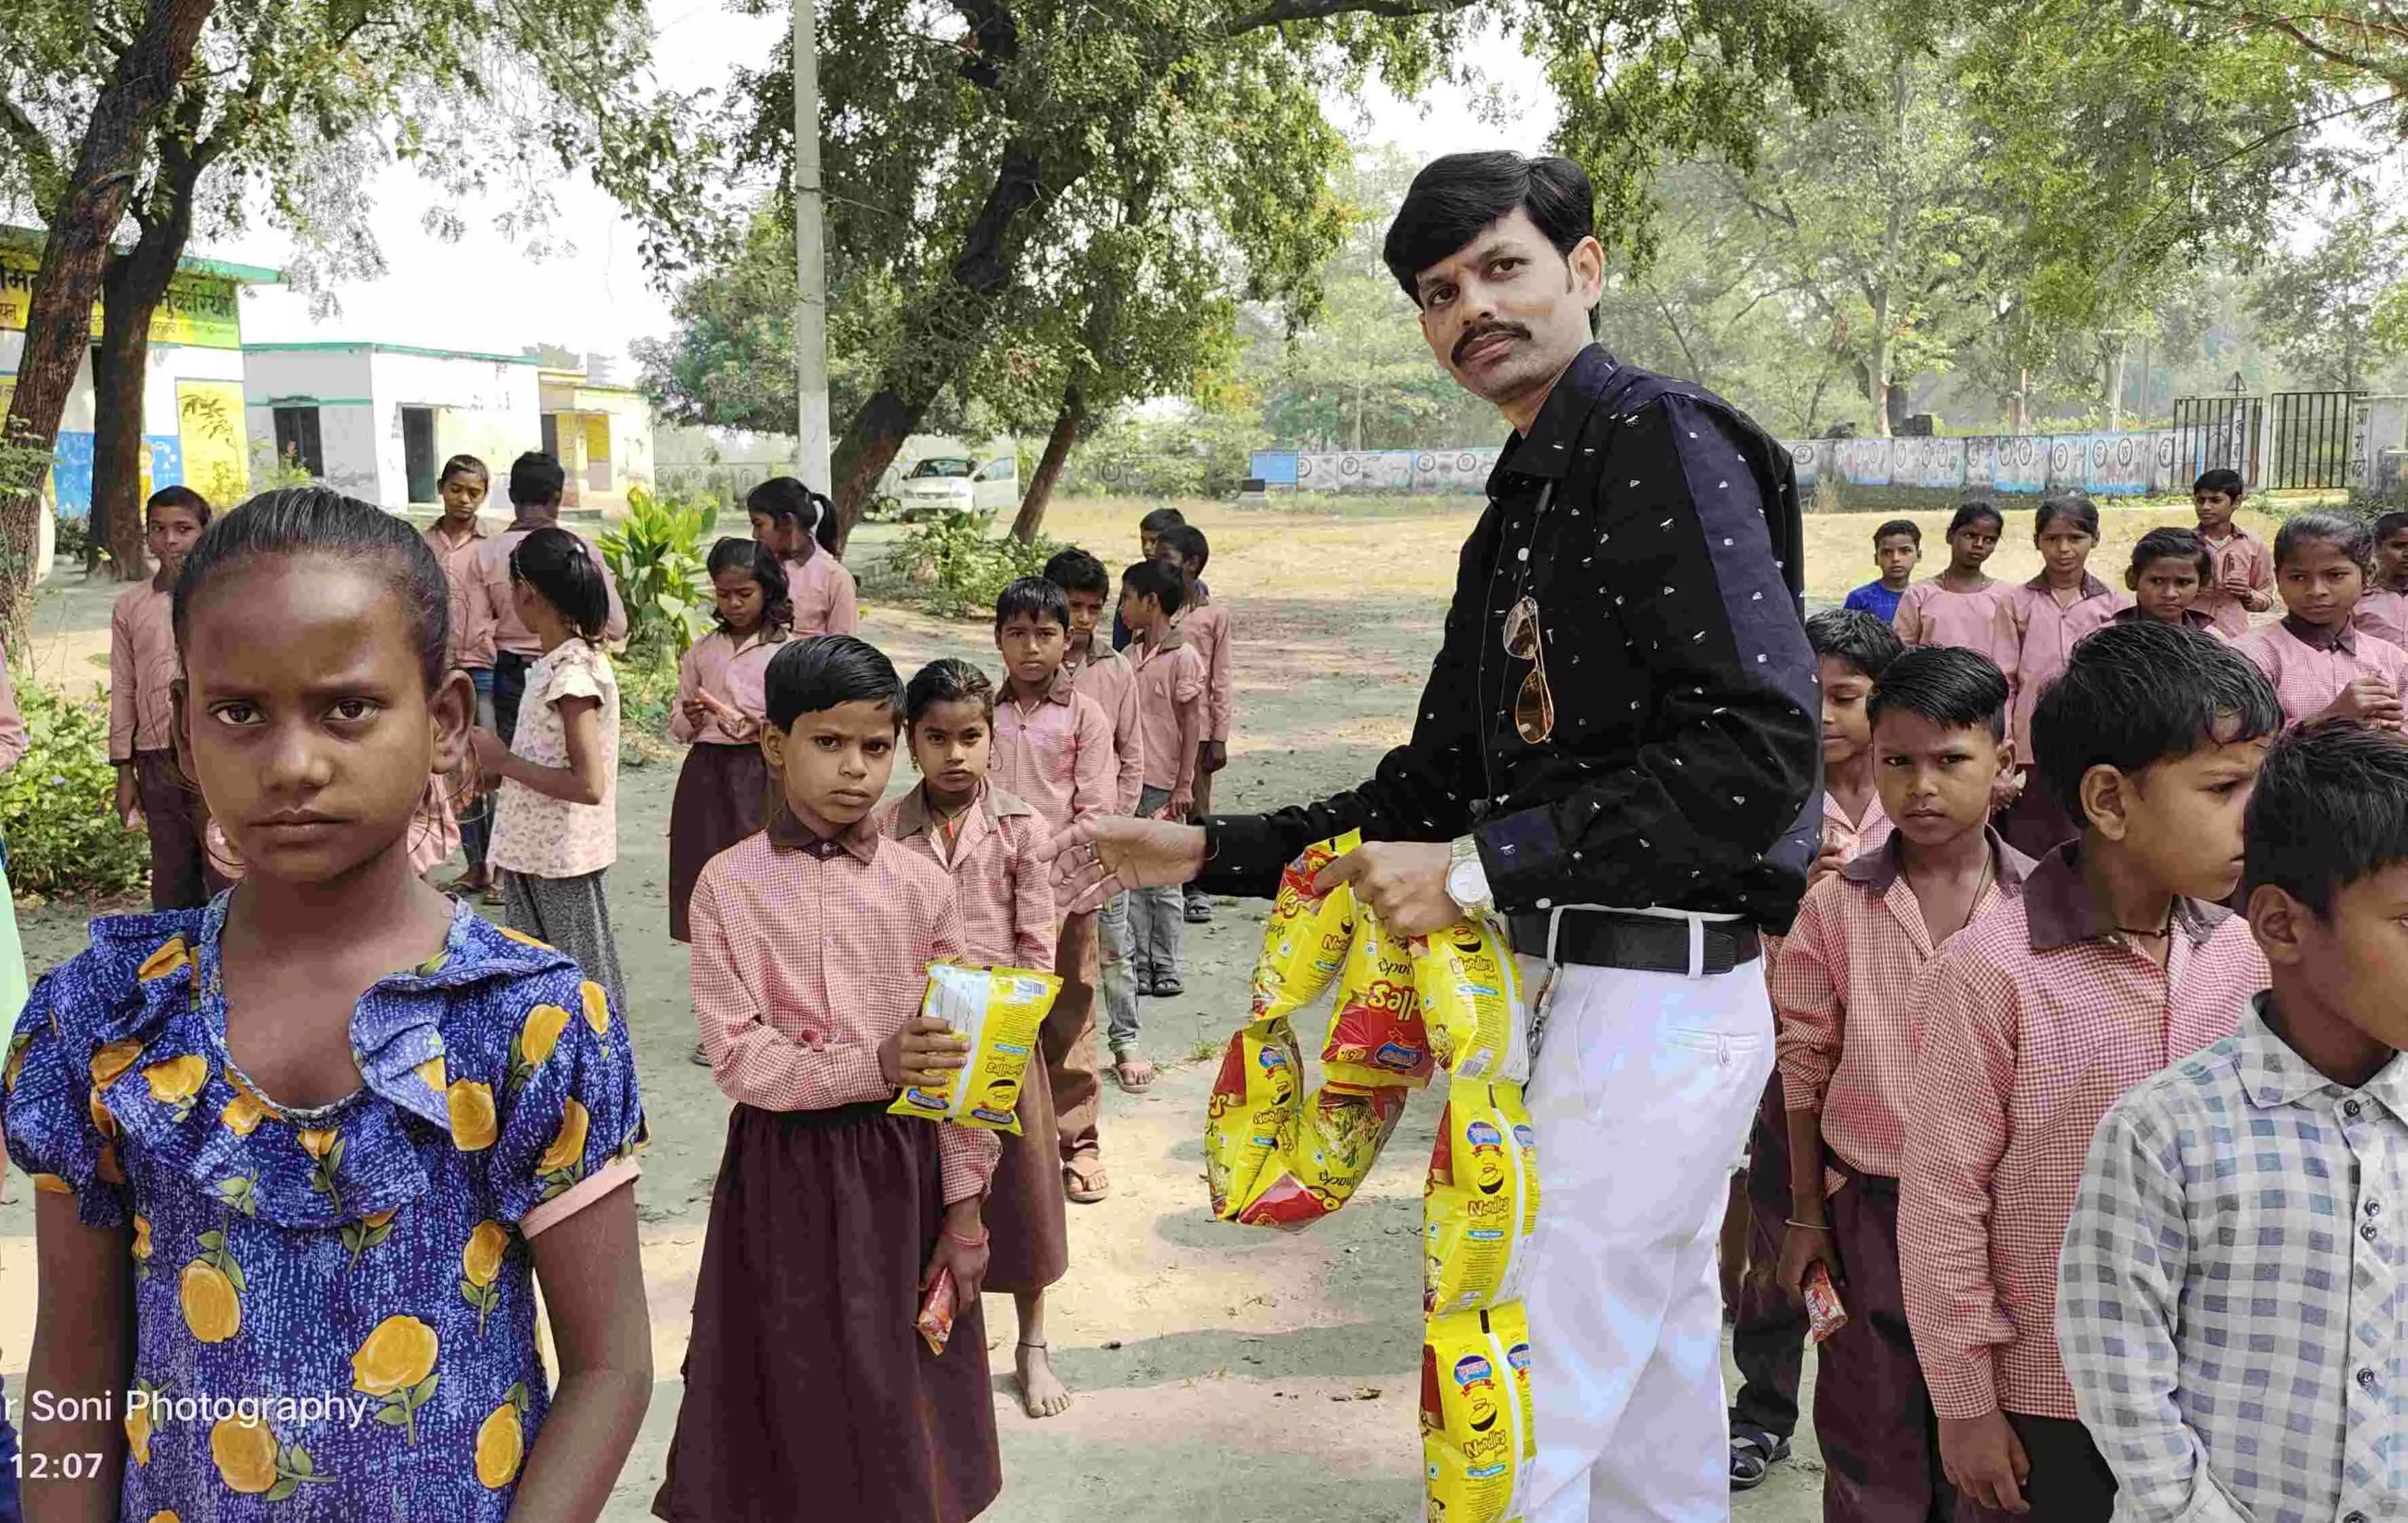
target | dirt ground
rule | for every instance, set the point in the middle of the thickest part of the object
(1221, 1375)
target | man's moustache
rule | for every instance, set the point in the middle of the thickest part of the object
(1509, 330)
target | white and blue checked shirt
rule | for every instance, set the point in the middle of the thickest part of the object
(2232, 1301)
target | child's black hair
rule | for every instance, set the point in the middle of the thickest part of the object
(320, 520)
(1159, 520)
(178, 497)
(2329, 809)
(464, 465)
(946, 682)
(2350, 536)
(1900, 525)
(536, 480)
(1075, 571)
(783, 500)
(2171, 544)
(812, 676)
(1976, 511)
(761, 563)
(2134, 695)
(1953, 688)
(1033, 598)
(2388, 525)
(1864, 640)
(1165, 583)
(2221, 480)
(2074, 506)
(557, 564)
(1188, 543)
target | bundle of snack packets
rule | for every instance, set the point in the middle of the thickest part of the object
(998, 1010)
(1479, 1431)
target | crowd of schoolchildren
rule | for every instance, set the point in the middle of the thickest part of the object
(267, 1164)
(2088, 1100)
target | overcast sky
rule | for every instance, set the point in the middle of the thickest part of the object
(483, 293)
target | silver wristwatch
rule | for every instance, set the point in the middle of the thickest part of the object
(1467, 879)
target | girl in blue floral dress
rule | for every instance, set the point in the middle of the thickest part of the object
(300, 1155)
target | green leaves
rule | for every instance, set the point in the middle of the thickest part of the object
(657, 556)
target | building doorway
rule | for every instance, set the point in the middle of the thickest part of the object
(418, 452)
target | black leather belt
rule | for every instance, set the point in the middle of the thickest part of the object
(1644, 943)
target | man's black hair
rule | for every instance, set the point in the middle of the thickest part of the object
(1159, 520)
(1900, 525)
(1163, 582)
(536, 480)
(1034, 597)
(1075, 571)
(2331, 808)
(2221, 480)
(1188, 543)
(1864, 640)
(2344, 533)
(2135, 695)
(2171, 544)
(1454, 197)
(814, 675)
(1953, 688)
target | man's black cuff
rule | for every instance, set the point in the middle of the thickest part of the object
(1243, 854)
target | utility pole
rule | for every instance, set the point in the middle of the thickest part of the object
(811, 257)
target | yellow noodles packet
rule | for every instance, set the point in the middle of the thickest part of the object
(1376, 1036)
(1324, 1156)
(1253, 1112)
(1482, 1202)
(1469, 989)
(998, 1010)
(1306, 938)
(1479, 1432)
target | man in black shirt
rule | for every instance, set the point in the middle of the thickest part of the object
(1618, 755)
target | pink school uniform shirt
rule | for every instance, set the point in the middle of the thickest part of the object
(2246, 553)
(1207, 628)
(1855, 837)
(736, 673)
(2035, 1020)
(471, 644)
(141, 669)
(825, 600)
(1056, 754)
(808, 953)
(1985, 621)
(1005, 899)
(1170, 699)
(2383, 613)
(508, 631)
(1842, 994)
(2046, 635)
(2310, 665)
(1111, 679)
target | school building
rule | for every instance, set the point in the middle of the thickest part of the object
(377, 421)
(192, 395)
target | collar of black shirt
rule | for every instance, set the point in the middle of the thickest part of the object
(2317, 637)
(1546, 448)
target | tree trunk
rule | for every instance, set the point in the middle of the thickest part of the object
(74, 257)
(1877, 367)
(1067, 424)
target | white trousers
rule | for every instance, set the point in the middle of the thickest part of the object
(1642, 1094)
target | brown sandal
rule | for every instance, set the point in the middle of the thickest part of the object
(1084, 1182)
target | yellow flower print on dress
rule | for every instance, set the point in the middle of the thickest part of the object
(243, 1113)
(326, 1147)
(141, 1245)
(252, 1462)
(598, 1007)
(211, 1290)
(16, 1045)
(430, 1073)
(165, 1516)
(177, 1083)
(51, 1185)
(501, 1441)
(563, 1163)
(367, 1232)
(104, 1120)
(524, 940)
(113, 1060)
(539, 1034)
(480, 1262)
(173, 956)
(396, 1362)
(473, 1125)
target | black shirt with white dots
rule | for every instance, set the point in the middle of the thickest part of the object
(1657, 528)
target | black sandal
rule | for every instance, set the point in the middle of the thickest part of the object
(1753, 1452)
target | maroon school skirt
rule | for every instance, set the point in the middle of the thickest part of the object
(720, 792)
(1028, 1235)
(808, 1393)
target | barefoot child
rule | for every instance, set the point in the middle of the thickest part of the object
(2051, 612)
(152, 788)
(983, 836)
(2116, 961)
(1963, 606)
(1897, 548)
(1053, 749)
(321, 1138)
(722, 788)
(2321, 665)
(1841, 993)
(799, 525)
(556, 817)
(2244, 583)
(1171, 686)
(2280, 1403)
(807, 1390)
(1206, 624)
(2169, 568)
(455, 538)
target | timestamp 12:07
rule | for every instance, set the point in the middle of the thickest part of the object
(58, 1467)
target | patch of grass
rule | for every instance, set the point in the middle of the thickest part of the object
(1205, 1051)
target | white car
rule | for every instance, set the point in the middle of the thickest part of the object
(951, 484)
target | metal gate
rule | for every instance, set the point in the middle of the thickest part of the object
(2314, 438)
(2217, 433)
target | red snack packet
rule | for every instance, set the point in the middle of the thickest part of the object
(936, 1318)
(1825, 1315)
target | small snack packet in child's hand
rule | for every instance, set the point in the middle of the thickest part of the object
(1305, 940)
(1825, 1315)
(998, 1010)
(1469, 989)
(936, 1318)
